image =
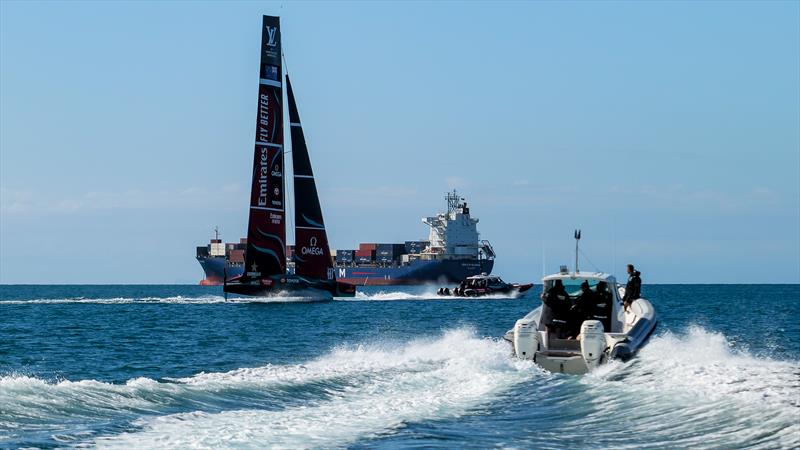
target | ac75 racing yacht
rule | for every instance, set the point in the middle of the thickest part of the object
(582, 323)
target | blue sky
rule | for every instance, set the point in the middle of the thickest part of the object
(668, 132)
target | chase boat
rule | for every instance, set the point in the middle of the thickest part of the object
(593, 329)
(483, 285)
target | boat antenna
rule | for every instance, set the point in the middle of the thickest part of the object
(577, 239)
(544, 259)
(216, 232)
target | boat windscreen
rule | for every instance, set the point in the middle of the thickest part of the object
(573, 286)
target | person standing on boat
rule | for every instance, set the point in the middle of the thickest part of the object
(633, 289)
(583, 309)
(557, 299)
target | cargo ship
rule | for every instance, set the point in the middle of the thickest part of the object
(452, 252)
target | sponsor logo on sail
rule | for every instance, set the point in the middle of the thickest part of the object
(263, 118)
(312, 248)
(263, 179)
(272, 33)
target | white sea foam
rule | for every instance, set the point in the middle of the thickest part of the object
(387, 386)
(689, 389)
(426, 295)
(124, 300)
(694, 390)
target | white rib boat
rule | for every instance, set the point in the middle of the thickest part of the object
(556, 340)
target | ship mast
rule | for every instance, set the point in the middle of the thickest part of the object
(577, 239)
(452, 201)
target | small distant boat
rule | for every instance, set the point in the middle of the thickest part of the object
(265, 271)
(582, 323)
(484, 285)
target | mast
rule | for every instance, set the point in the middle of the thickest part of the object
(312, 253)
(266, 229)
(577, 239)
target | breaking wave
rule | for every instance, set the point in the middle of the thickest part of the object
(349, 393)
(686, 389)
(695, 390)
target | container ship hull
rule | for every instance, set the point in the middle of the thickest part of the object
(416, 272)
(452, 252)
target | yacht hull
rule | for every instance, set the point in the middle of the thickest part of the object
(291, 287)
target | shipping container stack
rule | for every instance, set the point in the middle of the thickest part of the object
(236, 256)
(217, 247)
(389, 254)
(416, 247)
(345, 257)
(364, 256)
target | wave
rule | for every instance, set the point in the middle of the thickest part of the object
(684, 389)
(354, 392)
(178, 299)
(694, 389)
(426, 295)
(122, 300)
(211, 299)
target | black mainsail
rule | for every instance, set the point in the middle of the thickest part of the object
(266, 230)
(312, 253)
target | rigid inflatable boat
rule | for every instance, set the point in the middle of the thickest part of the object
(582, 323)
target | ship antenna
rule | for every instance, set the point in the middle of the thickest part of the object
(216, 232)
(577, 239)
(544, 260)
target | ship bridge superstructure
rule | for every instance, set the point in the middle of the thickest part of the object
(454, 234)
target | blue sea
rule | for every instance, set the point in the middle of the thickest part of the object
(180, 367)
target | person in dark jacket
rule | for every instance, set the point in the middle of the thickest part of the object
(602, 310)
(557, 299)
(633, 289)
(582, 309)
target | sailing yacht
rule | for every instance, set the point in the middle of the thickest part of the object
(265, 272)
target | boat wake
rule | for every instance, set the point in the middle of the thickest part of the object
(430, 294)
(687, 389)
(350, 393)
(382, 296)
(693, 389)
(179, 299)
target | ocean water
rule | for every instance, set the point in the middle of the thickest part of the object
(178, 367)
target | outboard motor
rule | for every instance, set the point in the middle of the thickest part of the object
(526, 339)
(593, 342)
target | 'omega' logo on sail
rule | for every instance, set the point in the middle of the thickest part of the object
(312, 248)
